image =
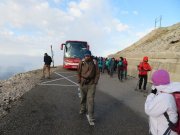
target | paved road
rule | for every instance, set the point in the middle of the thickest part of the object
(52, 107)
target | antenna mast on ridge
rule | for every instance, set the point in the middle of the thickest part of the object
(158, 20)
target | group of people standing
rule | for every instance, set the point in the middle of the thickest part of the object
(112, 65)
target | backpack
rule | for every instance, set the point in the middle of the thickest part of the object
(174, 127)
(100, 63)
(120, 64)
(50, 59)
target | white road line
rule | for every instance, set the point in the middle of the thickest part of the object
(65, 72)
(57, 79)
(79, 94)
(59, 85)
(67, 78)
(52, 80)
(63, 77)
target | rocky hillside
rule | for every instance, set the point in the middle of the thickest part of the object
(161, 45)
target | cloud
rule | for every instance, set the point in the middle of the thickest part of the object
(57, 1)
(143, 33)
(120, 26)
(107, 29)
(124, 12)
(74, 9)
(135, 12)
(29, 27)
(6, 32)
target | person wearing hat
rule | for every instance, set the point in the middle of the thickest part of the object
(47, 64)
(159, 101)
(88, 76)
(143, 68)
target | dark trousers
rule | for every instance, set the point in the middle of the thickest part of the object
(87, 98)
(100, 69)
(111, 71)
(120, 74)
(125, 74)
(143, 78)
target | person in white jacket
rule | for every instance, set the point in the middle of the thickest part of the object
(159, 101)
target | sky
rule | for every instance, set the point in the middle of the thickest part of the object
(29, 27)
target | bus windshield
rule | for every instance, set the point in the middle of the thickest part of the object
(75, 49)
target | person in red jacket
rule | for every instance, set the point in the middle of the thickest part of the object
(143, 68)
(125, 63)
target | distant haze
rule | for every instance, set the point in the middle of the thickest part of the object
(13, 64)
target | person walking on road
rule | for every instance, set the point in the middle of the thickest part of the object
(104, 65)
(111, 67)
(143, 68)
(161, 101)
(107, 64)
(88, 76)
(100, 64)
(47, 64)
(125, 63)
(120, 66)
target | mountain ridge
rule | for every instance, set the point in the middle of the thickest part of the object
(161, 45)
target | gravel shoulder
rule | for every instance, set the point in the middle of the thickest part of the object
(13, 88)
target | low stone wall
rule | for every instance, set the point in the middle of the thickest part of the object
(171, 65)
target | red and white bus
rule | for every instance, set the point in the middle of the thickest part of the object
(73, 53)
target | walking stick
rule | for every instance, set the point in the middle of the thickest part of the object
(137, 85)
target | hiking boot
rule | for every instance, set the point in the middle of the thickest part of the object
(145, 94)
(91, 120)
(120, 80)
(141, 90)
(82, 112)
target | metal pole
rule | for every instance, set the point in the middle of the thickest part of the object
(155, 23)
(160, 20)
(52, 55)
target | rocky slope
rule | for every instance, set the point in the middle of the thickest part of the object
(161, 45)
(13, 88)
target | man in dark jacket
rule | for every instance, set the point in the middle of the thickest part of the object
(47, 63)
(88, 76)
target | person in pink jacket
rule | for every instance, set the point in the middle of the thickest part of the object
(159, 101)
